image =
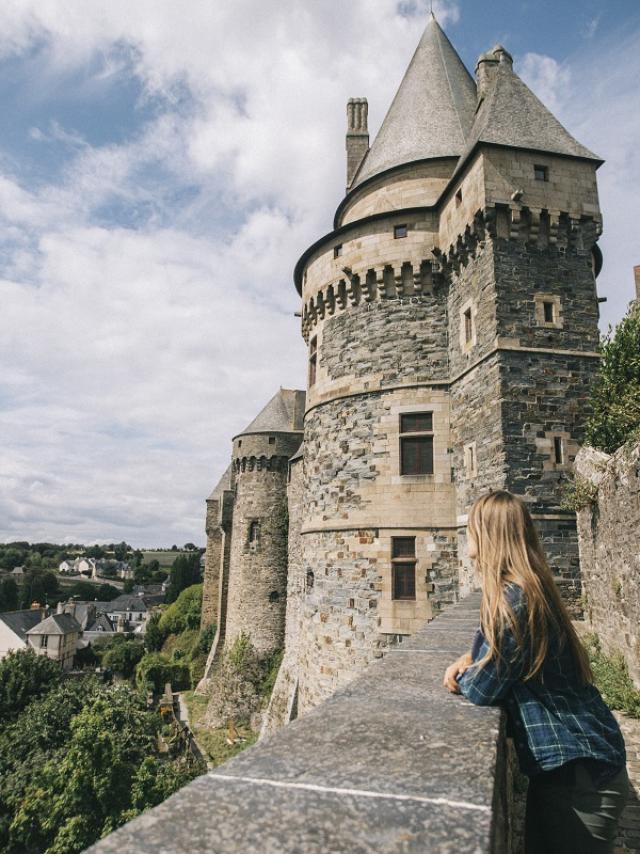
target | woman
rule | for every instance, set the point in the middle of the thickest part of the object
(527, 656)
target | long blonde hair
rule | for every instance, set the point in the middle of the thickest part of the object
(509, 550)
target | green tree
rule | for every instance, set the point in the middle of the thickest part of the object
(185, 571)
(155, 670)
(9, 595)
(95, 551)
(12, 557)
(123, 655)
(38, 586)
(121, 550)
(128, 585)
(615, 395)
(184, 613)
(153, 636)
(24, 675)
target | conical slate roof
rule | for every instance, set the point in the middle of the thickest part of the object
(283, 414)
(223, 484)
(513, 116)
(432, 112)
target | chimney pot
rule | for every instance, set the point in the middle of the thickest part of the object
(357, 135)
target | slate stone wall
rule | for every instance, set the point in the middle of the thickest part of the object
(609, 549)
(397, 340)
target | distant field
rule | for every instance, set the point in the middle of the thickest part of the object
(165, 559)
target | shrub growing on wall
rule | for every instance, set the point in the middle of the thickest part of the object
(615, 395)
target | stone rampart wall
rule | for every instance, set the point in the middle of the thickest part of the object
(609, 539)
(381, 766)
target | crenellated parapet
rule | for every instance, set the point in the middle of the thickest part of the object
(535, 227)
(368, 285)
(263, 463)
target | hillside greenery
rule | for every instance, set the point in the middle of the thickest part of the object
(78, 760)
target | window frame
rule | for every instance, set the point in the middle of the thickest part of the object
(400, 231)
(313, 361)
(540, 173)
(403, 570)
(407, 435)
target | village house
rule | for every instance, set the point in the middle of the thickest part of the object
(56, 635)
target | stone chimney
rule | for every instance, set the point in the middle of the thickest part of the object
(60, 608)
(487, 68)
(636, 274)
(357, 135)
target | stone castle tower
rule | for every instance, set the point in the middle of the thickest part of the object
(245, 584)
(451, 318)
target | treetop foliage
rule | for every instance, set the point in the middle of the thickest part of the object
(615, 395)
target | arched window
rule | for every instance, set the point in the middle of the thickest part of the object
(310, 579)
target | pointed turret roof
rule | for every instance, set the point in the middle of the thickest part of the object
(223, 484)
(432, 112)
(511, 115)
(283, 414)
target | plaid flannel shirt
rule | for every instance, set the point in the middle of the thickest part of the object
(553, 718)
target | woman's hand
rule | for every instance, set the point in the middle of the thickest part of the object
(456, 669)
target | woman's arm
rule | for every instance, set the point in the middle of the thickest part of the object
(457, 669)
(490, 684)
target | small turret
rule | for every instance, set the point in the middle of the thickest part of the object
(357, 135)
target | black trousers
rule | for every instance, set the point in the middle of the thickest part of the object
(567, 813)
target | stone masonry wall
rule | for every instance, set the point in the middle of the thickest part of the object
(283, 703)
(545, 394)
(610, 549)
(258, 576)
(213, 558)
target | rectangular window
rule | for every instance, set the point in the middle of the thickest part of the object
(272, 440)
(403, 567)
(313, 360)
(468, 326)
(548, 312)
(44, 641)
(416, 443)
(541, 173)
(400, 231)
(557, 449)
(337, 250)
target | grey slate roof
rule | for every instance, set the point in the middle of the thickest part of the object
(127, 602)
(283, 414)
(432, 112)
(20, 622)
(513, 116)
(56, 624)
(223, 484)
(101, 623)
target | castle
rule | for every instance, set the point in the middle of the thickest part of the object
(451, 318)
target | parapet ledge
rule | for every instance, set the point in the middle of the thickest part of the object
(392, 762)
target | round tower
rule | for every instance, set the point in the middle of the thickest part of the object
(258, 561)
(379, 523)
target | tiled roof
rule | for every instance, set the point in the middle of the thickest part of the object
(511, 115)
(56, 624)
(21, 621)
(432, 112)
(283, 414)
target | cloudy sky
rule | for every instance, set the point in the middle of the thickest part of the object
(162, 166)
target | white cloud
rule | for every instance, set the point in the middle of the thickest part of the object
(146, 291)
